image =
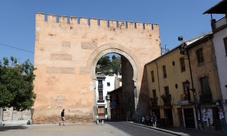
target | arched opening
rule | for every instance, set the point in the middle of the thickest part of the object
(120, 102)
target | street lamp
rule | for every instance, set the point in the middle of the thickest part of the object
(182, 46)
(187, 84)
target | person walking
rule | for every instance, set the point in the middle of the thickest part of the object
(154, 119)
(62, 118)
(143, 120)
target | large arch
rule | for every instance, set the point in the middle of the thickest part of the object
(121, 50)
(66, 54)
(113, 48)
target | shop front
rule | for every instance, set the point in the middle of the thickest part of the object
(210, 116)
(166, 116)
(189, 118)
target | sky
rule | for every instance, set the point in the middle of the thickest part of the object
(174, 17)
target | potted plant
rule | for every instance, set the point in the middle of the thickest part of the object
(166, 99)
(154, 101)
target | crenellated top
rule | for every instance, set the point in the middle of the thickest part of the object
(93, 21)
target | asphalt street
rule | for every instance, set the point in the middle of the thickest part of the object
(108, 129)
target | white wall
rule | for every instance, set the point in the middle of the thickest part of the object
(106, 88)
(221, 59)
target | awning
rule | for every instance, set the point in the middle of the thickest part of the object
(220, 8)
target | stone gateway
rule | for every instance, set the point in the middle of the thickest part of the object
(67, 50)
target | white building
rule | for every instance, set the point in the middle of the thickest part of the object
(105, 84)
(219, 28)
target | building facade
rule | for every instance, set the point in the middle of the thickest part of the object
(184, 86)
(117, 107)
(169, 97)
(219, 29)
(205, 82)
(104, 84)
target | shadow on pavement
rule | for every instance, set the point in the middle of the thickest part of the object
(6, 128)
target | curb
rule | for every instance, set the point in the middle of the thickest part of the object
(160, 129)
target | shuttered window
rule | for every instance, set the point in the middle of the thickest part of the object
(225, 44)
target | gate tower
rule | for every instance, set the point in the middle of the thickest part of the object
(67, 50)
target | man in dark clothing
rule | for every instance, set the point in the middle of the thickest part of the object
(154, 119)
(62, 118)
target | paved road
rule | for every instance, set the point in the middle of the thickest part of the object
(137, 130)
(108, 129)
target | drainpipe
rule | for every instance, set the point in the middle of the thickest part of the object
(194, 92)
(158, 77)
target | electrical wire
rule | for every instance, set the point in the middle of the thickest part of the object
(16, 48)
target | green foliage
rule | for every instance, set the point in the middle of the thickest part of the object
(107, 66)
(104, 64)
(116, 64)
(154, 101)
(166, 98)
(16, 84)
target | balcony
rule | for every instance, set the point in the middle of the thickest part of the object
(184, 99)
(205, 98)
(166, 99)
(219, 24)
(100, 87)
(100, 101)
(154, 101)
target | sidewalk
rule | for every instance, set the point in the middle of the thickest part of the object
(76, 129)
(180, 131)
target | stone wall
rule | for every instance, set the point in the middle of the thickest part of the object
(66, 52)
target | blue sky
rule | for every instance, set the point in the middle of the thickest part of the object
(174, 17)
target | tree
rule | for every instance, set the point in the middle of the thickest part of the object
(116, 64)
(104, 64)
(16, 84)
(108, 66)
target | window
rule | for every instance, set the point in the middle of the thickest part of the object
(154, 100)
(166, 89)
(182, 64)
(199, 53)
(101, 111)
(108, 83)
(152, 76)
(106, 112)
(186, 95)
(206, 91)
(117, 99)
(164, 71)
(111, 98)
(100, 85)
(154, 93)
(205, 86)
(99, 82)
(225, 44)
(101, 95)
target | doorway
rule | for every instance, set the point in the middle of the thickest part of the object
(189, 118)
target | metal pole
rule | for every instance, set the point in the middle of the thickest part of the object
(1, 115)
(196, 108)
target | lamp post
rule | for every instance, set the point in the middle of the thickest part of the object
(184, 51)
(187, 84)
